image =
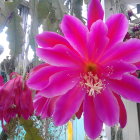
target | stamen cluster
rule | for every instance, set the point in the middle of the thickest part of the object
(92, 84)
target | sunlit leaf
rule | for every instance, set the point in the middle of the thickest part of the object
(77, 8)
(2, 14)
(34, 24)
(43, 10)
(60, 8)
(15, 34)
(32, 133)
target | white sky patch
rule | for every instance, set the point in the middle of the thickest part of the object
(30, 51)
(84, 12)
(4, 43)
(40, 29)
(30, 54)
(134, 9)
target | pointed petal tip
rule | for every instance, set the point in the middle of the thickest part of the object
(94, 7)
(117, 28)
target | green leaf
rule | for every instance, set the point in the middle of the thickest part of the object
(28, 137)
(60, 9)
(32, 133)
(43, 9)
(77, 8)
(10, 7)
(2, 14)
(50, 26)
(34, 24)
(15, 34)
(27, 123)
(6, 10)
(50, 13)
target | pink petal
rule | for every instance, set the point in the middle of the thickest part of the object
(44, 107)
(50, 39)
(138, 65)
(68, 105)
(128, 87)
(7, 91)
(116, 69)
(1, 80)
(92, 124)
(60, 83)
(49, 107)
(80, 111)
(26, 104)
(107, 107)
(59, 56)
(35, 69)
(76, 33)
(95, 12)
(9, 114)
(39, 79)
(128, 51)
(44, 112)
(117, 28)
(123, 115)
(39, 102)
(17, 92)
(97, 40)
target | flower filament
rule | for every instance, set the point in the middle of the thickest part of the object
(92, 83)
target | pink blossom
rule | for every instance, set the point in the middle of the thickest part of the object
(43, 106)
(89, 68)
(15, 99)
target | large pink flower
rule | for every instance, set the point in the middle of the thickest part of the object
(89, 68)
(15, 99)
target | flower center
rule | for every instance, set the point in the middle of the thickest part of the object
(13, 106)
(92, 83)
(90, 67)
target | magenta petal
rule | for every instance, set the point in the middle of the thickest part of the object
(39, 79)
(51, 106)
(7, 88)
(60, 83)
(60, 55)
(92, 124)
(50, 39)
(123, 115)
(44, 107)
(79, 112)
(138, 65)
(39, 102)
(128, 87)
(117, 28)
(95, 12)
(68, 105)
(97, 40)
(128, 51)
(116, 69)
(26, 104)
(1, 80)
(76, 33)
(36, 68)
(107, 107)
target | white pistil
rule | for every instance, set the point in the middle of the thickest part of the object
(13, 106)
(92, 83)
